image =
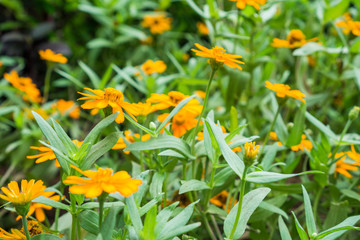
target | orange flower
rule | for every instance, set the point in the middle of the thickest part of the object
(14, 235)
(49, 55)
(349, 25)
(182, 122)
(172, 100)
(304, 144)
(150, 67)
(342, 167)
(202, 28)
(158, 23)
(29, 191)
(200, 93)
(220, 201)
(102, 180)
(218, 55)
(67, 107)
(241, 4)
(25, 85)
(120, 144)
(110, 97)
(144, 108)
(295, 39)
(283, 90)
(48, 154)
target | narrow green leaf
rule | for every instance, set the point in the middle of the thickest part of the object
(326, 130)
(144, 209)
(269, 157)
(156, 184)
(301, 232)
(108, 225)
(267, 177)
(272, 208)
(336, 230)
(350, 221)
(310, 221)
(149, 225)
(192, 185)
(234, 123)
(89, 220)
(299, 125)
(52, 203)
(106, 77)
(163, 217)
(129, 80)
(336, 11)
(69, 145)
(284, 232)
(180, 230)
(134, 214)
(234, 132)
(94, 78)
(46, 236)
(70, 78)
(130, 119)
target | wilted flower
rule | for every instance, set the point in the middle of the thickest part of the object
(49, 55)
(295, 39)
(158, 23)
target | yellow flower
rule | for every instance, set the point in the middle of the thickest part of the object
(295, 39)
(67, 107)
(241, 4)
(110, 97)
(25, 85)
(218, 55)
(182, 122)
(200, 93)
(202, 28)
(353, 154)
(49, 55)
(343, 167)
(42, 112)
(158, 23)
(220, 201)
(102, 180)
(29, 191)
(150, 67)
(304, 144)
(48, 154)
(283, 90)
(172, 100)
(120, 144)
(251, 151)
(14, 235)
(144, 108)
(349, 25)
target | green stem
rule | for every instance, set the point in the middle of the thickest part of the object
(74, 217)
(101, 212)
(164, 190)
(236, 29)
(26, 229)
(316, 202)
(348, 123)
(268, 134)
(47, 81)
(242, 191)
(141, 161)
(211, 185)
(207, 226)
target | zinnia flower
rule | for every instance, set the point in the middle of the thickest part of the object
(217, 55)
(343, 167)
(67, 107)
(102, 180)
(29, 191)
(295, 39)
(33, 227)
(150, 67)
(158, 23)
(182, 122)
(49, 55)
(220, 201)
(110, 97)
(241, 4)
(173, 98)
(25, 85)
(283, 90)
(202, 28)
(349, 25)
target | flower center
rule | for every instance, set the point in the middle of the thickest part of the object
(179, 119)
(218, 51)
(176, 97)
(113, 95)
(295, 36)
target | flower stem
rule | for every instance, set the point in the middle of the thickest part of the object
(268, 134)
(74, 217)
(207, 226)
(237, 28)
(47, 81)
(348, 123)
(101, 211)
(242, 191)
(26, 229)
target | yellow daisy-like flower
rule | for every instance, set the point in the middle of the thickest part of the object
(295, 39)
(158, 23)
(251, 151)
(220, 200)
(173, 98)
(144, 108)
(304, 144)
(49, 55)
(349, 25)
(29, 191)
(67, 107)
(283, 90)
(343, 167)
(25, 85)
(110, 97)
(14, 235)
(202, 28)
(102, 180)
(241, 4)
(150, 67)
(218, 55)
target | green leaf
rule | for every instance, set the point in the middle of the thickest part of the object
(129, 80)
(272, 208)
(156, 184)
(222, 176)
(284, 232)
(164, 141)
(234, 123)
(171, 153)
(350, 221)
(267, 177)
(130, 119)
(108, 225)
(134, 214)
(193, 5)
(326, 130)
(351, 194)
(310, 221)
(149, 225)
(301, 232)
(45, 236)
(337, 230)
(52, 203)
(163, 217)
(173, 112)
(70, 78)
(92, 205)
(251, 201)
(269, 157)
(94, 78)
(144, 209)
(336, 11)
(69, 145)
(53, 139)
(106, 77)
(89, 220)
(234, 132)
(299, 125)
(192, 185)
(100, 149)
(234, 161)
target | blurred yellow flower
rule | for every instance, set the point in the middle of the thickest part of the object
(218, 55)
(295, 39)
(25, 85)
(241, 4)
(49, 55)
(158, 23)
(200, 93)
(349, 25)
(42, 112)
(283, 90)
(220, 200)
(202, 28)
(67, 107)
(150, 67)
(120, 144)
(182, 122)
(343, 167)
(29, 191)
(102, 180)
(110, 97)
(144, 108)
(33, 227)
(304, 144)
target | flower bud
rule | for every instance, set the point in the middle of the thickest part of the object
(354, 113)
(152, 126)
(251, 152)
